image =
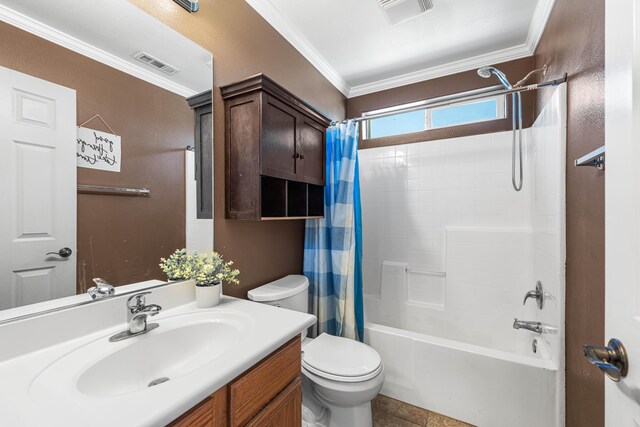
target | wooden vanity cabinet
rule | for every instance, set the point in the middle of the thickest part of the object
(267, 395)
(275, 152)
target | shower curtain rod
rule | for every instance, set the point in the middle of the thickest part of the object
(442, 101)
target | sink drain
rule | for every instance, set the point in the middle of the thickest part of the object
(158, 381)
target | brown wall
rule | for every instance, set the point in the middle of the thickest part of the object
(120, 239)
(441, 86)
(573, 42)
(243, 44)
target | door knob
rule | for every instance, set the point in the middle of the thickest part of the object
(63, 253)
(612, 359)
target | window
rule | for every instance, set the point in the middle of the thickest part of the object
(432, 118)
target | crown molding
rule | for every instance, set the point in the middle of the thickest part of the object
(539, 23)
(269, 12)
(53, 35)
(449, 68)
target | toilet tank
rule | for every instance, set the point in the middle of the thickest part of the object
(289, 292)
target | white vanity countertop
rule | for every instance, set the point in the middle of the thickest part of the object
(266, 329)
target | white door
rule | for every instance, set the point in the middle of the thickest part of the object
(37, 190)
(622, 206)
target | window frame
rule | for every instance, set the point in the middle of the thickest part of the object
(501, 113)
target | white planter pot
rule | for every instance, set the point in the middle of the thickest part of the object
(208, 296)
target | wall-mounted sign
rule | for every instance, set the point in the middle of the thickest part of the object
(98, 150)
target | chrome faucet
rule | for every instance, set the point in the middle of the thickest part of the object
(137, 313)
(102, 289)
(528, 325)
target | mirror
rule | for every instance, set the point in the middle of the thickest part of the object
(101, 171)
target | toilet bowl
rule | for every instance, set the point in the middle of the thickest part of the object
(343, 375)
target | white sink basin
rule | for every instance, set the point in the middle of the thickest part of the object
(159, 357)
(181, 345)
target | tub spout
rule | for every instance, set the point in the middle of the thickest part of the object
(528, 325)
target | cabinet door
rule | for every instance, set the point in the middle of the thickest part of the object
(252, 392)
(283, 411)
(279, 133)
(211, 412)
(242, 157)
(311, 149)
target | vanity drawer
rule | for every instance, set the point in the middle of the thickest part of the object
(211, 412)
(252, 392)
(283, 411)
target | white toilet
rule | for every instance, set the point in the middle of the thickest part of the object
(344, 375)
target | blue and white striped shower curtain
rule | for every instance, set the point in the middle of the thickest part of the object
(333, 244)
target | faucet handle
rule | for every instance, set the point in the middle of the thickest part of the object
(137, 301)
(537, 294)
(531, 294)
(152, 309)
(102, 289)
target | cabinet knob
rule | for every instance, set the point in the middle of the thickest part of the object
(301, 156)
(296, 156)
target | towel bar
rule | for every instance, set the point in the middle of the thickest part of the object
(595, 158)
(113, 191)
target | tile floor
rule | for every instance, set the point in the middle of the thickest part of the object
(388, 412)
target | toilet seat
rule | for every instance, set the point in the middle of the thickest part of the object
(341, 359)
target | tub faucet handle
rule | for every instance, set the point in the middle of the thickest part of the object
(537, 294)
(531, 294)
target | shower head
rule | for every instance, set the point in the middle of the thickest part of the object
(486, 72)
(516, 120)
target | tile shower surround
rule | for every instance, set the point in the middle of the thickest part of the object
(449, 206)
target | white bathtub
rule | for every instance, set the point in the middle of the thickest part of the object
(481, 386)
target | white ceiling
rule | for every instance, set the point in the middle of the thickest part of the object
(110, 31)
(352, 44)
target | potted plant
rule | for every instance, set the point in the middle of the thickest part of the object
(211, 271)
(208, 270)
(179, 265)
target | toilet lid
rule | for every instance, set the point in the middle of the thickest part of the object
(341, 357)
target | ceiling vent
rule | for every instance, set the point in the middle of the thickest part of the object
(398, 11)
(155, 63)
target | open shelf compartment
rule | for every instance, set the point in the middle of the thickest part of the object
(284, 199)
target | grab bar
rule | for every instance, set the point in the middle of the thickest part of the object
(426, 272)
